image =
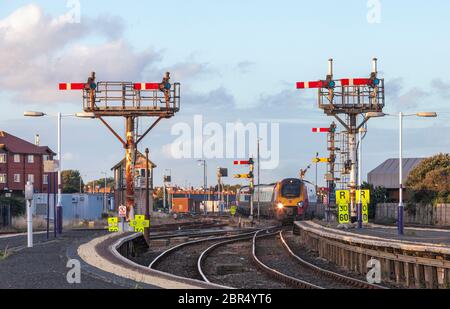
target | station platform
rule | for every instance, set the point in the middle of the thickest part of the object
(418, 259)
(434, 236)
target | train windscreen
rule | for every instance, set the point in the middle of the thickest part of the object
(291, 188)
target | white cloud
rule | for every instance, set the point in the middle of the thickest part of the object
(402, 99)
(42, 51)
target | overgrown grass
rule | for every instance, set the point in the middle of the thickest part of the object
(4, 254)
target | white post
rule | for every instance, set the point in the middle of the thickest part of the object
(29, 197)
(352, 150)
(59, 204)
(29, 224)
(400, 169)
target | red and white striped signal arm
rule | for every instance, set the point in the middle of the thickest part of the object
(310, 85)
(321, 130)
(72, 86)
(355, 81)
(146, 86)
(241, 162)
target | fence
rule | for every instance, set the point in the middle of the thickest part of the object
(438, 215)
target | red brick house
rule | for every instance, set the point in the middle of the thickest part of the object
(21, 161)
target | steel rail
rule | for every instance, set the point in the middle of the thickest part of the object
(194, 242)
(209, 250)
(329, 274)
(294, 282)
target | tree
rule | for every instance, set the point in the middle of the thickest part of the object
(100, 183)
(71, 181)
(430, 180)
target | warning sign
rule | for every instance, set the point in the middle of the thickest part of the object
(139, 223)
(113, 224)
(122, 211)
(342, 197)
(365, 196)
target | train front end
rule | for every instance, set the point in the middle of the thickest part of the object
(290, 202)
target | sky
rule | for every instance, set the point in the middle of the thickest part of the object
(237, 61)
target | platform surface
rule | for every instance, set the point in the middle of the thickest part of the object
(440, 237)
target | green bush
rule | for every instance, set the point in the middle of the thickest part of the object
(17, 204)
(377, 195)
(429, 182)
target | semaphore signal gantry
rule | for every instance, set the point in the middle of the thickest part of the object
(352, 98)
(130, 100)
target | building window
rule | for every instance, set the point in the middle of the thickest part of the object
(3, 178)
(30, 159)
(16, 158)
(31, 178)
(17, 178)
(45, 158)
(2, 157)
(45, 180)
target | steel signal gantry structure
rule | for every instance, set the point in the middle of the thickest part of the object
(131, 101)
(352, 98)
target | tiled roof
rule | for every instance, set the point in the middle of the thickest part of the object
(20, 146)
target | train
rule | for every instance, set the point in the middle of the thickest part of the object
(286, 201)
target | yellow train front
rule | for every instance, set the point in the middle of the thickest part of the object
(286, 200)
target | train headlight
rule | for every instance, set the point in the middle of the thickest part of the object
(280, 206)
(301, 204)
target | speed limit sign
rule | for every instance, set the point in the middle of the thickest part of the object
(344, 217)
(365, 213)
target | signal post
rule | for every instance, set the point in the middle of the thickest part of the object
(251, 177)
(350, 97)
(129, 100)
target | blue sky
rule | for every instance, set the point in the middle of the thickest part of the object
(244, 57)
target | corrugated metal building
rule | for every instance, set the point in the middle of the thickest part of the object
(387, 175)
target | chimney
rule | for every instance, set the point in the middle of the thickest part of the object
(37, 140)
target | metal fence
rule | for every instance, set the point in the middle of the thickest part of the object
(438, 215)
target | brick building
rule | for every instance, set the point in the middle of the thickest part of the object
(21, 161)
(139, 182)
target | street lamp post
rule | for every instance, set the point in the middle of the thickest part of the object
(105, 208)
(401, 206)
(59, 116)
(205, 177)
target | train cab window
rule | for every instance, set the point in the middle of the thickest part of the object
(291, 188)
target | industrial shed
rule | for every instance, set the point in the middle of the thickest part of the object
(387, 175)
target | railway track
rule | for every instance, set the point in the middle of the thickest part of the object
(270, 253)
(324, 273)
(181, 260)
(279, 262)
(297, 272)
